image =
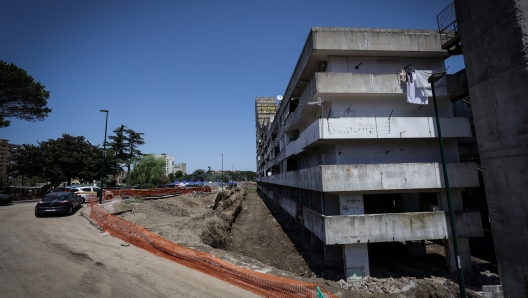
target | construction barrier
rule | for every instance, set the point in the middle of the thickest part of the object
(259, 283)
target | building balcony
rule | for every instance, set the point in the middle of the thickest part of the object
(349, 229)
(334, 85)
(378, 128)
(377, 177)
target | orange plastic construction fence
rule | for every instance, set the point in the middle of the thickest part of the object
(256, 282)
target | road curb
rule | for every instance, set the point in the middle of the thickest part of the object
(85, 212)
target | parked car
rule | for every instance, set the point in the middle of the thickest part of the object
(58, 202)
(5, 199)
(63, 189)
(86, 191)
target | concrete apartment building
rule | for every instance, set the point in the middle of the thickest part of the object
(169, 162)
(346, 155)
(170, 167)
(182, 166)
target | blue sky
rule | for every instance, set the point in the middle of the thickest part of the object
(184, 73)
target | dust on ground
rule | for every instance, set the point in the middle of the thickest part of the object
(241, 228)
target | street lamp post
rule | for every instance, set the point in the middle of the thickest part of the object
(104, 154)
(432, 79)
(222, 171)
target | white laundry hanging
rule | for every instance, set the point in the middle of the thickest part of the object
(424, 86)
(420, 89)
(415, 96)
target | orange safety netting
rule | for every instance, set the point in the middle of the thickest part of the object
(256, 282)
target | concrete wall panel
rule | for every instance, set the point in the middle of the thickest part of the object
(314, 222)
(289, 206)
(361, 177)
(399, 227)
(381, 40)
(372, 177)
(356, 83)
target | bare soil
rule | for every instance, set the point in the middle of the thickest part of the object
(243, 229)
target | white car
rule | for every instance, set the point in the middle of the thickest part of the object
(85, 192)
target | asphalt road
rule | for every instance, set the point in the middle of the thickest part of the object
(65, 256)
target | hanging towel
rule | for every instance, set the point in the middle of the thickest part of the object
(414, 95)
(423, 87)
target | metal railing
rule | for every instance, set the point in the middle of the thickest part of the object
(448, 26)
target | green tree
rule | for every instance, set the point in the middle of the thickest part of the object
(198, 175)
(163, 180)
(20, 96)
(171, 177)
(134, 139)
(119, 145)
(62, 160)
(125, 145)
(32, 181)
(147, 170)
(178, 175)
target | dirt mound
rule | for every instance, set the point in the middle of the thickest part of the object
(198, 220)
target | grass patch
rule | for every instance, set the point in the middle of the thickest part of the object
(128, 204)
(252, 189)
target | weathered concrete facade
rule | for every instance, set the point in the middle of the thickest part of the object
(350, 159)
(495, 47)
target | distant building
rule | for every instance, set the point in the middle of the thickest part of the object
(180, 167)
(169, 162)
(4, 160)
(170, 167)
(8, 154)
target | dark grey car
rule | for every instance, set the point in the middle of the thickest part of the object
(5, 199)
(58, 202)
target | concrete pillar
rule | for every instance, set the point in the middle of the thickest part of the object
(411, 202)
(497, 76)
(356, 261)
(463, 243)
(465, 255)
(355, 256)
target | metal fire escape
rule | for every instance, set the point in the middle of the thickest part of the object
(448, 29)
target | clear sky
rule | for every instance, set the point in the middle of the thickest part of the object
(184, 73)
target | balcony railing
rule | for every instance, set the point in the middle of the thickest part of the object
(448, 27)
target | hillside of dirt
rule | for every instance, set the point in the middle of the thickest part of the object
(243, 229)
